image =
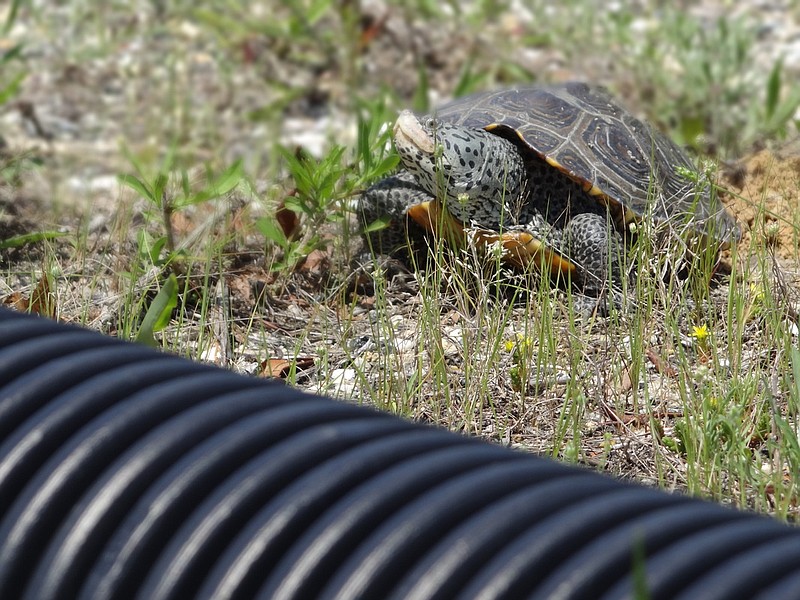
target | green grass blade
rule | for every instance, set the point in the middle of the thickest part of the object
(29, 238)
(12, 15)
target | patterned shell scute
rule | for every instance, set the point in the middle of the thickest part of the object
(598, 143)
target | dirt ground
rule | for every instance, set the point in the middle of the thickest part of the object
(764, 196)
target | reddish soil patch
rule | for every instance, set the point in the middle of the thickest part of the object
(765, 198)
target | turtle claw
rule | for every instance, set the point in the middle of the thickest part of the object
(601, 305)
(585, 306)
(366, 267)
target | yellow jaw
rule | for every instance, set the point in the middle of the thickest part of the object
(520, 248)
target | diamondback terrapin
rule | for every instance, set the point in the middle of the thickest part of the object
(556, 174)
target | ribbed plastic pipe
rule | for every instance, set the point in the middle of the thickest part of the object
(127, 473)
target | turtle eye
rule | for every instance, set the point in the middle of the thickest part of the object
(430, 123)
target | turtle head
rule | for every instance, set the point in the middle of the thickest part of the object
(472, 170)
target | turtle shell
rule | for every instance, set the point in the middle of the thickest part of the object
(618, 159)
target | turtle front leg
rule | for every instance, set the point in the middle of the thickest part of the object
(390, 237)
(596, 248)
(389, 201)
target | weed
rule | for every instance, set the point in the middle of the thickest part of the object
(158, 192)
(324, 188)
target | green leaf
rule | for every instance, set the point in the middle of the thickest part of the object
(159, 187)
(362, 143)
(377, 225)
(774, 89)
(160, 311)
(169, 158)
(299, 170)
(138, 186)
(221, 22)
(296, 205)
(228, 179)
(387, 165)
(10, 90)
(11, 54)
(691, 128)
(131, 158)
(156, 248)
(317, 10)
(223, 184)
(149, 249)
(271, 230)
(186, 187)
(29, 238)
(235, 170)
(795, 358)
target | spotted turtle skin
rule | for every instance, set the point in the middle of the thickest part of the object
(557, 172)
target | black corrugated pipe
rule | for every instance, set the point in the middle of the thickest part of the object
(129, 473)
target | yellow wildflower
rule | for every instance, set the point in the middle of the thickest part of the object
(700, 333)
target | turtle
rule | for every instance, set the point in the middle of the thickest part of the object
(558, 176)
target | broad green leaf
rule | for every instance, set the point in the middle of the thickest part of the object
(160, 311)
(156, 248)
(377, 225)
(387, 165)
(271, 230)
(223, 184)
(228, 179)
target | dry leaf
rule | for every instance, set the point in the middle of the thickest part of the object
(661, 366)
(16, 301)
(371, 29)
(279, 368)
(316, 262)
(289, 221)
(42, 300)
